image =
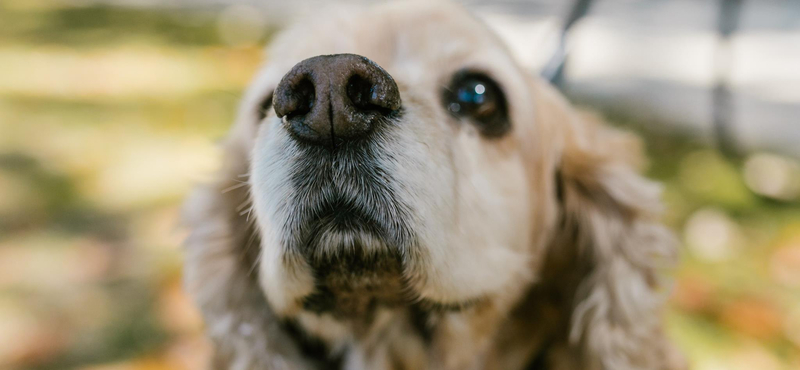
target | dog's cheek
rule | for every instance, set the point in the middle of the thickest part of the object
(471, 201)
(284, 276)
(285, 279)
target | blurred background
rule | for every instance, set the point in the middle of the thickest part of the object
(110, 110)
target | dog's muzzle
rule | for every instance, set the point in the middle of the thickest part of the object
(328, 99)
(343, 216)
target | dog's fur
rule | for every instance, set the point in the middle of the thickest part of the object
(539, 249)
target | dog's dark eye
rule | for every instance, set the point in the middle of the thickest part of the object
(477, 97)
(264, 107)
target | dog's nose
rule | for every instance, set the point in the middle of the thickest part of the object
(337, 97)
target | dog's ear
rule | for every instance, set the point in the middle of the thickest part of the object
(609, 226)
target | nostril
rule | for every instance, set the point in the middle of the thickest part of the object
(362, 94)
(294, 95)
(303, 94)
(335, 97)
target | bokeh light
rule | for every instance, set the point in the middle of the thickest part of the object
(110, 112)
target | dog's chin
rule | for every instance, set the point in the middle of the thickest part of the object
(354, 269)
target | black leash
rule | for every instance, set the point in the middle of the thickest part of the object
(554, 69)
(723, 110)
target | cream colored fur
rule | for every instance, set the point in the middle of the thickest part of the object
(549, 231)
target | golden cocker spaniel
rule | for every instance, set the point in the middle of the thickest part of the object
(398, 193)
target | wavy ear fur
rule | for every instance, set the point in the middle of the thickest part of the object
(609, 224)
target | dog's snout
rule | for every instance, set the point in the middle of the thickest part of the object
(335, 97)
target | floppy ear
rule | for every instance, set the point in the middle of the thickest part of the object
(221, 253)
(609, 224)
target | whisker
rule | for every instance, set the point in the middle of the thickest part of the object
(255, 264)
(244, 204)
(247, 212)
(241, 184)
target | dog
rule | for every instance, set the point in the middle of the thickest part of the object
(398, 193)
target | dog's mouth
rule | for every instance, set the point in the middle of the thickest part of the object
(338, 226)
(345, 201)
(351, 229)
(355, 267)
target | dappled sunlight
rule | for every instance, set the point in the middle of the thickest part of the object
(129, 72)
(773, 176)
(712, 236)
(109, 115)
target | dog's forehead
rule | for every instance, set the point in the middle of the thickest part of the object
(434, 33)
(401, 36)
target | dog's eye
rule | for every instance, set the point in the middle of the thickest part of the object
(478, 98)
(264, 107)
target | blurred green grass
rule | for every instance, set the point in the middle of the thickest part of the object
(108, 115)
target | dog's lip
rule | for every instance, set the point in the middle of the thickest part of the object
(341, 219)
(345, 220)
